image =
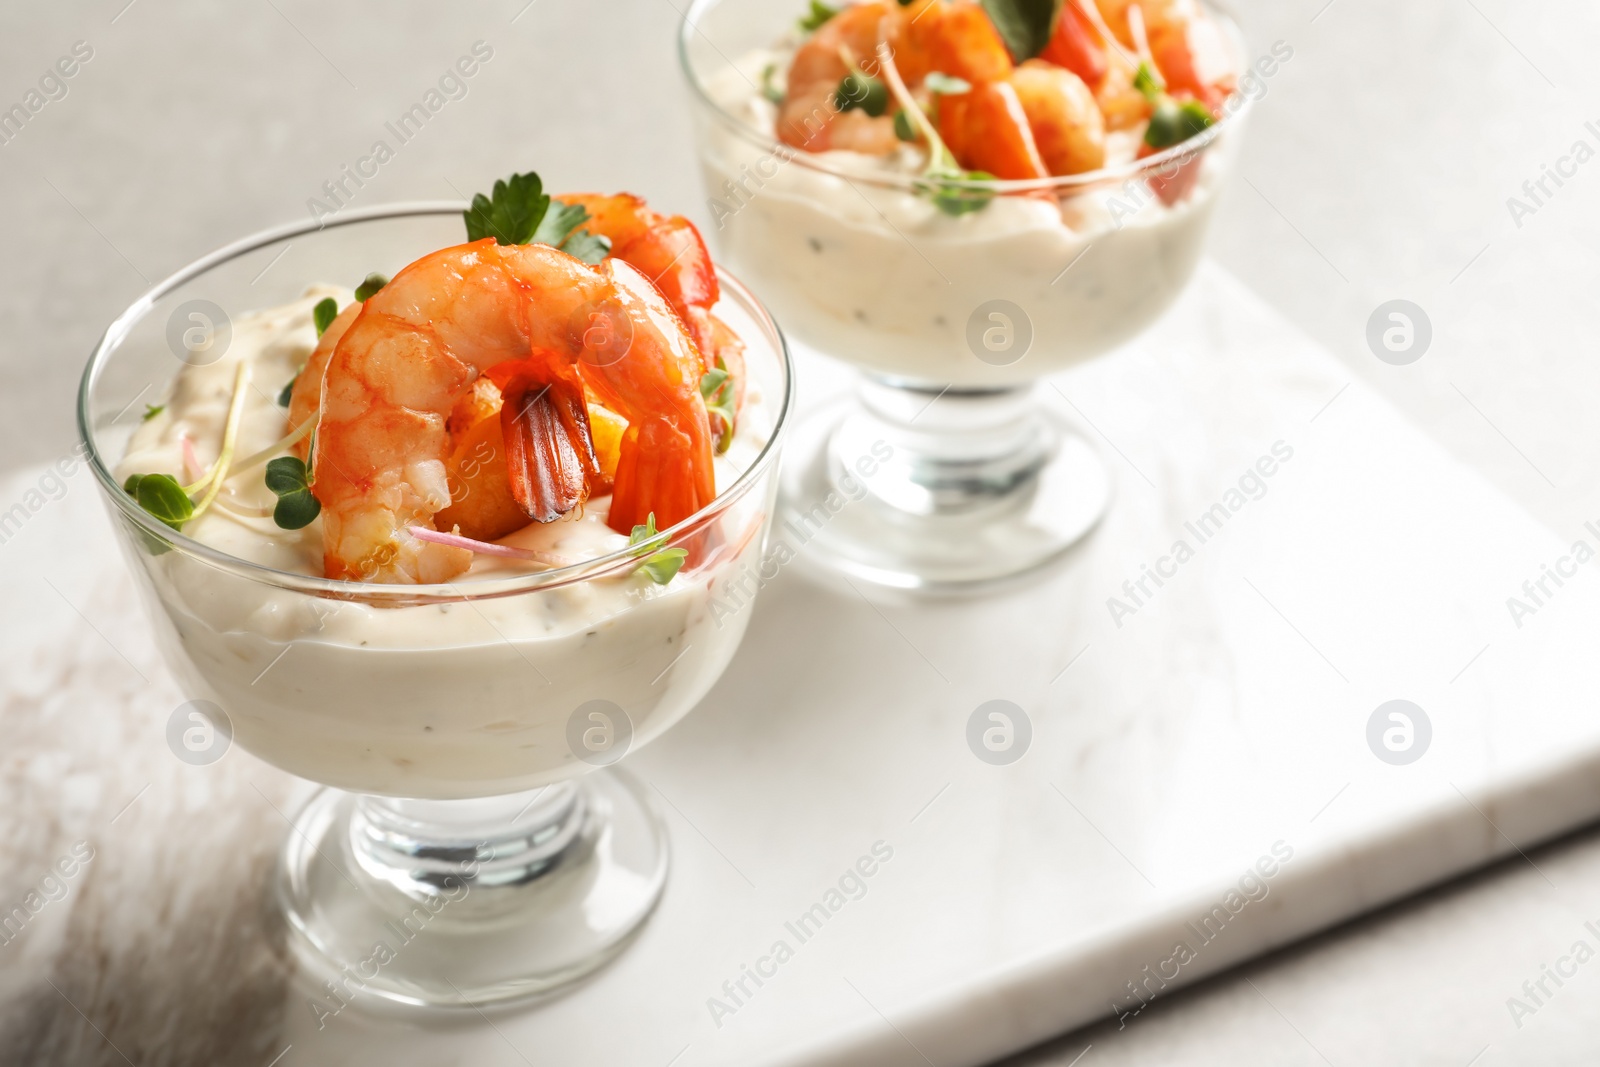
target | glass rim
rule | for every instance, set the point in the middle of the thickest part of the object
(1177, 154)
(472, 589)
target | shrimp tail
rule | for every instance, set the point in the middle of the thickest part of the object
(659, 471)
(550, 454)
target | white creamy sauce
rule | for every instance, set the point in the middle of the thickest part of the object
(467, 698)
(863, 268)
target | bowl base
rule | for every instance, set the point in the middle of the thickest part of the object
(966, 491)
(487, 904)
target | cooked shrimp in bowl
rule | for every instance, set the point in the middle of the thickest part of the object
(563, 368)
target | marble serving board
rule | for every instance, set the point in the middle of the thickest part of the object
(857, 878)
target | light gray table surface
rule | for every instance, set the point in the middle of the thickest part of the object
(1378, 166)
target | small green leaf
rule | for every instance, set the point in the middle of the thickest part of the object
(819, 14)
(371, 285)
(152, 410)
(297, 507)
(559, 220)
(645, 531)
(1173, 123)
(940, 82)
(589, 247)
(712, 383)
(511, 214)
(662, 566)
(904, 128)
(716, 388)
(768, 90)
(1024, 25)
(956, 200)
(1148, 82)
(324, 314)
(856, 90)
(161, 496)
(287, 394)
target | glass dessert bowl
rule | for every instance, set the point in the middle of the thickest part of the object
(957, 226)
(475, 843)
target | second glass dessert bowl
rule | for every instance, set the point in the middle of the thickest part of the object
(475, 843)
(952, 300)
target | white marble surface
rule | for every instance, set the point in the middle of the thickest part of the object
(1378, 166)
(1223, 722)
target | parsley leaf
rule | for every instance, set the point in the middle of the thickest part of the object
(512, 214)
(903, 126)
(297, 507)
(371, 285)
(152, 410)
(324, 314)
(660, 566)
(161, 496)
(589, 247)
(559, 219)
(1024, 25)
(819, 14)
(521, 213)
(560, 229)
(287, 394)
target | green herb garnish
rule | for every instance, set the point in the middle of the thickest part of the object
(1024, 25)
(903, 127)
(1173, 123)
(287, 393)
(519, 213)
(152, 410)
(559, 229)
(324, 314)
(297, 506)
(1149, 83)
(371, 285)
(939, 82)
(942, 170)
(161, 496)
(768, 90)
(857, 90)
(717, 390)
(511, 214)
(819, 14)
(1170, 122)
(955, 199)
(662, 565)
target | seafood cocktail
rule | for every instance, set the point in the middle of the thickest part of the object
(958, 199)
(452, 541)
